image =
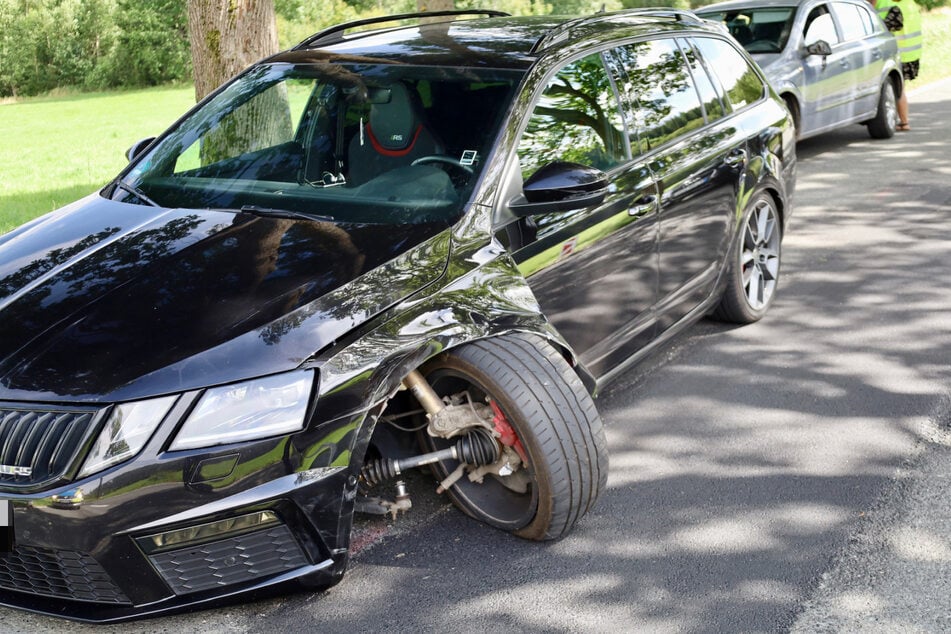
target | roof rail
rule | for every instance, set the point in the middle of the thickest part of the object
(335, 33)
(561, 31)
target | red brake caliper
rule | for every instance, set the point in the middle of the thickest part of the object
(506, 434)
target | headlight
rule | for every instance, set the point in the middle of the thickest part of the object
(128, 429)
(260, 408)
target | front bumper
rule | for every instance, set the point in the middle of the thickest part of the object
(165, 532)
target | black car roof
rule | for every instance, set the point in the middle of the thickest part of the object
(492, 42)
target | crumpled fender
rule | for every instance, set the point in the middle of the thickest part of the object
(488, 299)
(482, 294)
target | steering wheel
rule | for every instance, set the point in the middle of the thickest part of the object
(441, 158)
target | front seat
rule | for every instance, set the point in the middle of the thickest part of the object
(395, 136)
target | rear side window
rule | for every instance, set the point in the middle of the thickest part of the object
(658, 81)
(577, 119)
(709, 95)
(740, 82)
(872, 23)
(857, 20)
(851, 20)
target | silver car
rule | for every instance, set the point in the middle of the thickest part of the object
(832, 61)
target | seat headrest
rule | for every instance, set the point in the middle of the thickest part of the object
(394, 122)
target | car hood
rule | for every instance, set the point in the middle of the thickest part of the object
(105, 301)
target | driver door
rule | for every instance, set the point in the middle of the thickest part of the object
(593, 270)
(827, 81)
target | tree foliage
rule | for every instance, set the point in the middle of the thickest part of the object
(151, 45)
(92, 44)
(46, 44)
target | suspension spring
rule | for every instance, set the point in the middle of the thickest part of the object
(477, 448)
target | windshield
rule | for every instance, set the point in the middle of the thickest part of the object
(758, 30)
(367, 143)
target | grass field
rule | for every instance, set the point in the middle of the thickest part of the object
(936, 60)
(54, 150)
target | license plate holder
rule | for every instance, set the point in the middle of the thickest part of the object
(6, 526)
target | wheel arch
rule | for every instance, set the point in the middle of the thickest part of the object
(360, 376)
(359, 383)
(895, 76)
(791, 99)
(772, 190)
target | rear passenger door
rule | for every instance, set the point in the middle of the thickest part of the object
(862, 47)
(695, 155)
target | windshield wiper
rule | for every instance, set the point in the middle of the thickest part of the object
(135, 191)
(267, 212)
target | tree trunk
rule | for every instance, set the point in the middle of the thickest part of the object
(227, 36)
(435, 5)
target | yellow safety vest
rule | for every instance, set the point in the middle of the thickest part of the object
(909, 37)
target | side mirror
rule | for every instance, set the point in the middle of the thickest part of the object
(819, 47)
(560, 186)
(137, 148)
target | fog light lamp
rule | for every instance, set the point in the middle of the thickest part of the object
(207, 532)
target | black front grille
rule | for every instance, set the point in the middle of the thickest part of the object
(62, 574)
(229, 561)
(39, 444)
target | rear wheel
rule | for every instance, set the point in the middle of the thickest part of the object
(558, 432)
(885, 122)
(753, 272)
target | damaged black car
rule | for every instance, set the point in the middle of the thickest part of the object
(422, 244)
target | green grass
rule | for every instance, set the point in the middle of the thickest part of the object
(54, 150)
(936, 55)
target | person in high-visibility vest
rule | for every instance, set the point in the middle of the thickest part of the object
(903, 18)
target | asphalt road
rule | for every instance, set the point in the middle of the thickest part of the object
(790, 475)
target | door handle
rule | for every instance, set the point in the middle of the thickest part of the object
(844, 63)
(736, 158)
(643, 205)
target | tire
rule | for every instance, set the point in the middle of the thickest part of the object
(885, 122)
(753, 269)
(553, 416)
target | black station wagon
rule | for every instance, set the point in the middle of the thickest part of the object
(402, 243)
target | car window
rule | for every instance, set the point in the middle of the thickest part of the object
(819, 26)
(872, 23)
(709, 95)
(357, 142)
(269, 119)
(759, 30)
(857, 20)
(577, 119)
(739, 80)
(658, 81)
(851, 21)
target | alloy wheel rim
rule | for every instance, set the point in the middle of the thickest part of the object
(891, 109)
(759, 259)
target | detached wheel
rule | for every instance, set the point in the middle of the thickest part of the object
(555, 421)
(753, 272)
(885, 123)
